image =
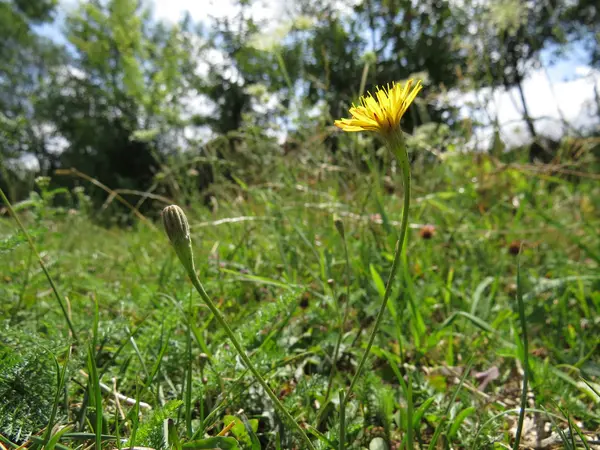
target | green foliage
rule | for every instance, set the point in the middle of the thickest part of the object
(27, 64)
(244, 430)
(151, 432)
(269, 275)
(27, 387)
(118, 101)
(11, 242)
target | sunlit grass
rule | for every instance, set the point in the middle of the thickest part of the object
(268, 269)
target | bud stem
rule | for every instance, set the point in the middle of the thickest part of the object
(200, 288)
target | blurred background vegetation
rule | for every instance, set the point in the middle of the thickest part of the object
(136, 102)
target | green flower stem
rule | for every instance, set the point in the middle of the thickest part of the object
(198, 285)
(342, 439)
(397, 146)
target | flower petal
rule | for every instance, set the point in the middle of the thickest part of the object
(382, 111)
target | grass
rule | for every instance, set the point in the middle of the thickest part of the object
(152, 367)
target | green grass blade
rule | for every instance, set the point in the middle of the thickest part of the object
(95, 394)
(526, 368)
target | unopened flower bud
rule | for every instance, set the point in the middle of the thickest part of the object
(338, 224)
(178, 231)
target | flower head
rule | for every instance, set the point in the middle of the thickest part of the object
(178, 230)
(382, 112)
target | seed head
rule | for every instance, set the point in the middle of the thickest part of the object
(305, 300)
(427, 231)
(178, 231)
(514, 248)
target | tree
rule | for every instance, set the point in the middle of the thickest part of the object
(506, 40)
(118, 101)
(237, 64)
(581, 21)
(379, 42)
(27, 62)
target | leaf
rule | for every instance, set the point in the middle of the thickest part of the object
(244, 430)
(173, 441)
(151, 431)
(251, 427)
(379, 284)
(420, 411)
(56, 437)
(474, 320)
(590, 389)
(460, 418)
(239, 181)
(479, 293)
(312, 430)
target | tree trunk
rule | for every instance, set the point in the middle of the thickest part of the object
(526, 116)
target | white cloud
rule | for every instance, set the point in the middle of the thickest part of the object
(206, 10)
(571, 100)
(270, 12)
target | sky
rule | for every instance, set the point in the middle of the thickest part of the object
(554, 95)
(202, 10)
(563, 90)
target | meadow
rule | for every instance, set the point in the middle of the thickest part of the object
(495, 309)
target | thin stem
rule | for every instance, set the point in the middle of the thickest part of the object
(42, 265)
(525, 344)
(198, 285)
(335, 351)
(342, 322)
(342, 445)
(398, 147)
(409, 415)
(188, 377)
(363, 79)
(17, 307)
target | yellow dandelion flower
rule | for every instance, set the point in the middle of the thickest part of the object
(382, 112)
